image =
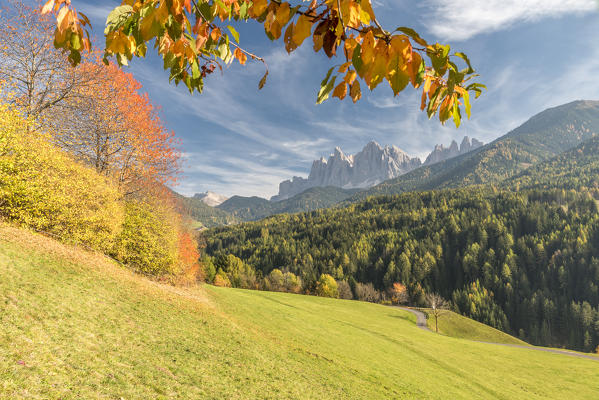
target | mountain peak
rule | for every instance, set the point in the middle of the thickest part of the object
(372, 165)
(441, 153)
(210, 198)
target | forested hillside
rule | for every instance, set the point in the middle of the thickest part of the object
(254, 208)
(545, 135)
(526, 263)
(576, 169)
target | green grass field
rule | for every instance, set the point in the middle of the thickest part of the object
(74, 325)
(456, 325)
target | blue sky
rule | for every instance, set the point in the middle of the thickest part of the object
(531, 54)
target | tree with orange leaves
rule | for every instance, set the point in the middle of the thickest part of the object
(109, 124)
(194, 37)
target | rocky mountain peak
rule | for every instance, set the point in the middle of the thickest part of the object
(210, 198)
(441, 153)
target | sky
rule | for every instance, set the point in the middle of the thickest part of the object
(238, 140)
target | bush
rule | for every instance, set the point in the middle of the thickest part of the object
(45, 189)
(221, 279)
(344, 290)
(278, 281)
(326, 286)
(239, 273)
(148, 240)
(367, 292)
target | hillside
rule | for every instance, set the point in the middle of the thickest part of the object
(573, 170)
(254, 208)
(522, 262)
(543, 136)
(78, 326)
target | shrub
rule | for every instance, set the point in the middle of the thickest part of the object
(239, 273)
(344, 290)
(148, 240)
(293, 283)
(221, 279)
(367, 292)
(45, 189)
(326, 286)
(277, 281)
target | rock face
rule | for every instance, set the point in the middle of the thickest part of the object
(441, 153)
(369, 167)
(210, 198)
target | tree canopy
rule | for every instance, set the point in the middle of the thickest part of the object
(196, 37)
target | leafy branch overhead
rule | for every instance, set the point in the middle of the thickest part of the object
(194, 38)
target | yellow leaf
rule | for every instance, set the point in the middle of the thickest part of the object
(282, 14)
(365, 5)
(344, 67)
(355, 92)
(318, 42)
(288, 38)
(353, 15)
(302, 30)
(258, 7)
(340, 91)
(48, 7)
(350, 77)
(368, 44)
(401, 45)
(414, 67)
(427, 84)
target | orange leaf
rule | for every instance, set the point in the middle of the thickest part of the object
(240, 56)
(340, 91)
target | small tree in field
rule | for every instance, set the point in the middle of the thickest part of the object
(438, 305)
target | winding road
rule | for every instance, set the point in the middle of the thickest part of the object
(421, 323)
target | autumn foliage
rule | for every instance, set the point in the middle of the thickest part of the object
(117, 130)
(194, 38)
(85, 157)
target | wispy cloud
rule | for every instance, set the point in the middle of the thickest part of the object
(456, 20)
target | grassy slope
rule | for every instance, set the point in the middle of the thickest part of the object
(456, 325)
(77, 326)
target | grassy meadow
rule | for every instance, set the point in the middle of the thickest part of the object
(76, 325)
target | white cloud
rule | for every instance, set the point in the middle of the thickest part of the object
(462, 19)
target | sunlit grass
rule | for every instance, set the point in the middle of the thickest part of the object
(75, 325)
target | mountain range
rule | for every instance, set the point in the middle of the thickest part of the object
(369, 167)
(558, 147)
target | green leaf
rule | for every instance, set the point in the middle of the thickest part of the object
(467, 103)
(357, 60)
(465, 58)
(325, 90)
(326, 78)
(413, 34)
(117, 18)
(399, 80)
(75, 42)
(457, 116)
(195, 70)
(234, 33)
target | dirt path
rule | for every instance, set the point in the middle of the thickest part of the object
(421, 323)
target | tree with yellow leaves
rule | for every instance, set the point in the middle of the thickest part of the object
(195, 37)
